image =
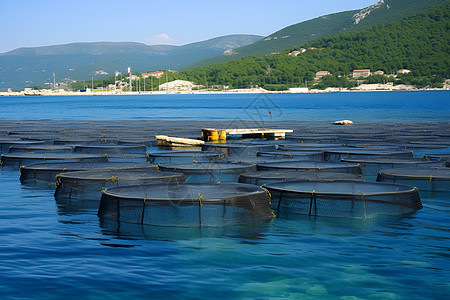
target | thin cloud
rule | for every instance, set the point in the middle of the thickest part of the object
(162, 38)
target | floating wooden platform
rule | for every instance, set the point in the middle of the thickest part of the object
(214, 134)
(164, 140)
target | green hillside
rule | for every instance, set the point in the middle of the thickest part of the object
(419, 43)
(297, 34)
(34, 66)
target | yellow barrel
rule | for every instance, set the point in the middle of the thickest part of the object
(222, 135)
(213, 136)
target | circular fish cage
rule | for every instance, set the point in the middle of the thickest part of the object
(20, 159)
(355, 153)
(267, 177)
(311, 165)
(371, 166)
(425, 179)
(149, 142)
(130, 157)
(238, 149)
(420, 150)
(79, 141)
(41, 149)
(186, 205)
(297, 155)
(344, 199)
(209, 172)
(46, 172)
(111, 149)
(183, 156)
(6, 144)
(257, 159)
(306, 146)
(88, 185)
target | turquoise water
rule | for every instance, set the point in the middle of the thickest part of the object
(54, 250)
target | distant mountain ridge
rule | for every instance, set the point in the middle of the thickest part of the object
(297, 34)
(35, 65)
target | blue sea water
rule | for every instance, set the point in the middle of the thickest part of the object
(360, 106)
(54, 250)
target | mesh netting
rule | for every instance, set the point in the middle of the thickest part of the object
(111, 149)
(371, 166)
(46, 172)
(425, 179)
(186, 205)
(6, 144)
(257, 159)
(184, 156)
(209, 172)
(238, 149)
(41, 149)
(87, 185)
(306, 146)
(348, 199)
(297, 155)
(311, 165)
(354, 153)
(130, 158)
(19, 159)
(152, 142)
(267, 177)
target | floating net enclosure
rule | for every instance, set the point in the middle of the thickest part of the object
(6, 144)
(257, 159)
(354, 153)
(297, 155)
(88, 185)
(209, 172)
(306, 146)
(149, 142)
(267, 177)
(186, 205)
(299, 139)
(184, 156)
(371, 166)
(111, 149)
(425, 179)
(238, 149)
(45, 173)
(130, 158)
(19, 159)
(419, 150)
(41, 149)
(346, 199)
(311, 165)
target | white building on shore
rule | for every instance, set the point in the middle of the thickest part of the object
(177, 86)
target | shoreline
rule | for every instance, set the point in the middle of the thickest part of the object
(362, 88)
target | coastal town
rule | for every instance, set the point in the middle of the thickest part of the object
(122, 87)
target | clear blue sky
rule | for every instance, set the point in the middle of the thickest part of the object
(30, 23)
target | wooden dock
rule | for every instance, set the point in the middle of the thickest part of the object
(164, 140)
(214, 134)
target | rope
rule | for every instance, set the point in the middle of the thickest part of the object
(200, 197)
(58, 180)
(313, 196)
(267, 191)
(364, 204)
(113, 178)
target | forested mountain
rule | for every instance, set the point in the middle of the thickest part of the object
(30, 66)
(297, 34)
(419, 43)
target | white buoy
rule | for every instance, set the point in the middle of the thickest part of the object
(343, 122)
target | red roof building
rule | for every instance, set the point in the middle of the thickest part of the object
(154, 74)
